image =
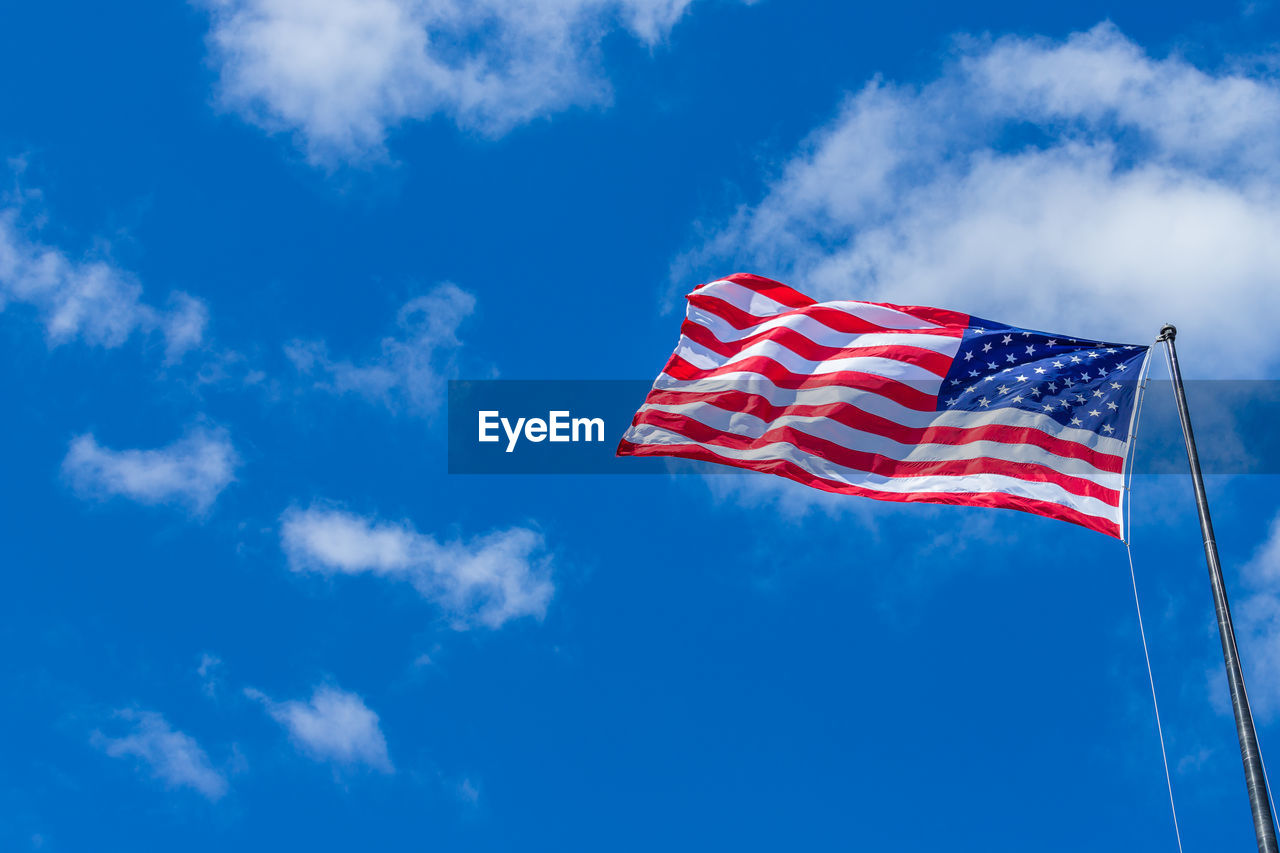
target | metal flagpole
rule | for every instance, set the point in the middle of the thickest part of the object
(1255, 780)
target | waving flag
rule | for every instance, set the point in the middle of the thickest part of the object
(896, 402)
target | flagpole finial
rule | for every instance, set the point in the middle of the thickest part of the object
(1168, 332)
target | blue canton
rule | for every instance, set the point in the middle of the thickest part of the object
(1080, 384)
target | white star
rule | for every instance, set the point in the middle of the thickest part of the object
(1010, 358)
(971, 389)
(1031, 349)
(1115, 385)
(1092, 354)
(1130, 347)
(1077, 422)
(984, 402)
(1006, 340)
(1068, 382)
(1026, 334)
(1057, 364)
(955, 381)
(1112, 406)
(968, 356)
(1097, 392)
(1121, 367)
(951, 402)
(1080, 398)
(1094, 413)
(1053, 386)
(1075, 359)
(981, 331)
(986, 347)
(991, 365)
(1048, 407)
(1102, 371)
(1021, 377)
(1084, 377)
(1017, 399)
(1108, 429)
(1111, 351)
(1052, 342)
(988, 378)
(1039, 370)
(1035, 392)
(973, 373)
(1003, 389)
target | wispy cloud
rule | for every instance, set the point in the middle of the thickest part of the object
(191, 472)
(487, 581)
(1077, 185)
(209, 672)
(333, 725)
(411, 366)
(173, 757)
(468, 792)
(340, 73)
(88, 299)
(1257, 618)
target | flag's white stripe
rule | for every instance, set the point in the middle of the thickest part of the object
(743, 298)
(749, 426)
(759, 305)
(875, 404)
(903, 371)
(821, 334)
(942, 484)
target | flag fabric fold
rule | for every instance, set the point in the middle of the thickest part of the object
(895, 402)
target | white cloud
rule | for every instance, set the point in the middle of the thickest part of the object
(87, 299)
(183, 326)
(411, 367)
(190, 472)
(1077, 186)
(341, 73)
(486, 581)
(173, 757)
(333, 725)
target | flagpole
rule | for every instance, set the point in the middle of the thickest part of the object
(1255, 780)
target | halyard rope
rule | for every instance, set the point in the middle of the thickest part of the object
(1142, 632)
(1168, 780)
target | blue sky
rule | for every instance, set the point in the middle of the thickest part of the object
(243, 246)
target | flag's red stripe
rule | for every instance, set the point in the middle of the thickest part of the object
(788, 469)
(899, 392)
(935, 362)
(855, 418)
(792, 298)
(940, 316)
(775, 290)
(875, 463)
(833, 318)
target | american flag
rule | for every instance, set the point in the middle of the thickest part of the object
(896, 402)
